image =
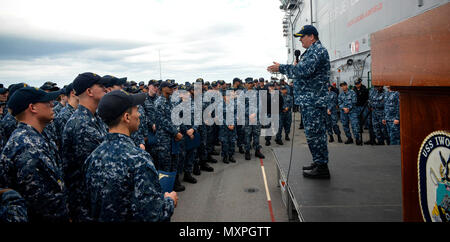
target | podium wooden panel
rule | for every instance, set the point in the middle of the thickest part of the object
(413, 58)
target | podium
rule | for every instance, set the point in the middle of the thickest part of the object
(413, 57)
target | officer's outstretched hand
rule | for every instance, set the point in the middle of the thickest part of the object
(173, 196)
(274, 68)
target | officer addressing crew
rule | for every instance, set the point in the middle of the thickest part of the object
(311, 76)
(29, 162)
(122, 182)
(83, 132)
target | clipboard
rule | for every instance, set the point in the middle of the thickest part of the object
(166, 180)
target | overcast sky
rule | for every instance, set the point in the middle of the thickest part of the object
(54, 40)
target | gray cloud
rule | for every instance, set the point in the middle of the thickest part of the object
(25, 47)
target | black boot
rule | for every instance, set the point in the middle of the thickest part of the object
(211, 160)
(279, 141)
(241, 150)
(259, 154)
(310, 167)
(358, 142)
(177, 187)
(231, 159)
(331, 139)
(247, 155)
(205, 167)
(349, 141)
(189, 178)
(287, 138)
(225, 160)
(380, 142)
(339, 139)
(319, 172)
(197, 171)
(267, 142)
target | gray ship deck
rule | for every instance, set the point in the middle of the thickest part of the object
(365, 184)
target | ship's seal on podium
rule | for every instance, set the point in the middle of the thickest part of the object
(434, 180)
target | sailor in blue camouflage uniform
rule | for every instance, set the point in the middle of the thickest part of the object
(83, 132)
(311, 77)
(285, 115)
(392, 115)
(376, 102)
(29, 161)
(166, 131)
(252, 127)
(149, 106)
(122, 183)
(227, 130)
(349, 113)
(332, 116)
(187, 160)
(13, 208)
(209, 127)
(240, 134)
(202, 151)
(64, 115)
(140, 136)
(9, 123)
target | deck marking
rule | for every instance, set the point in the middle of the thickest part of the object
(269, 201)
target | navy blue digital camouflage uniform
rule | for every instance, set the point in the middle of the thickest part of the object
(82, 134)
(376, 102)
(57, 108)
(285, 117)
(252, 132)
(332, 119)
(60, 121)
(227, 137)
(211, 129)
(149, 106)
(29, 165)
(190, 156)
(9, 124)
(165, 134)
(311, 77)
(139, 136)
(13, 208)
(348, 100)
(392, 112)
(240, 134)
(122, 184)
(202, 151)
